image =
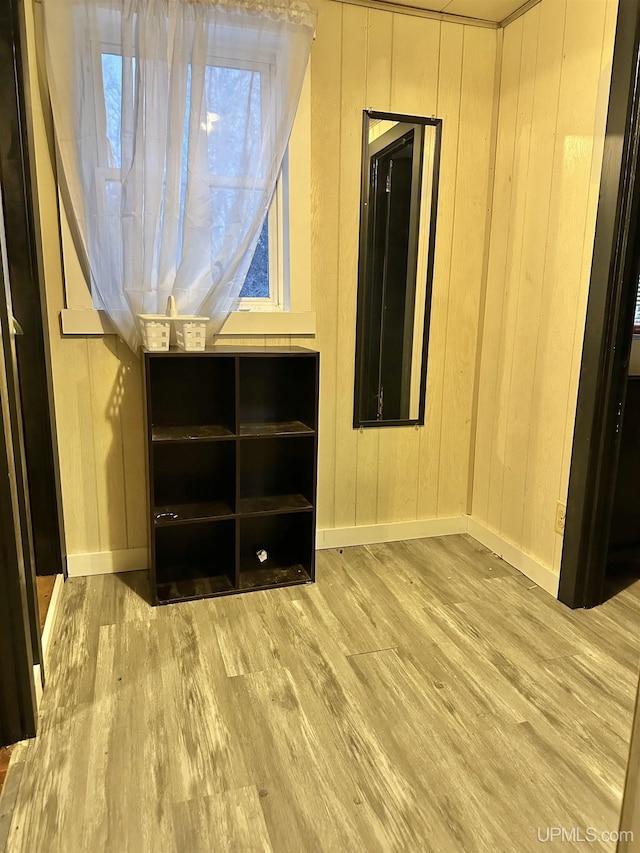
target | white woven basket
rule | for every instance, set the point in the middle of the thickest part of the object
(191, 333)
(156, 332)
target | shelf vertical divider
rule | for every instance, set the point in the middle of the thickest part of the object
(316, 424)
(238, 449)
(148, 390)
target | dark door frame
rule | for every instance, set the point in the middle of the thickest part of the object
(17, 687)
(608, 330)
(28, 299)
(19, 648)
(30, 521)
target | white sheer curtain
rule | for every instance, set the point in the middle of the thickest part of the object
(172, 121)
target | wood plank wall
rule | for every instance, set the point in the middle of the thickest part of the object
(361, 58)
(553, 95)
(384, 61)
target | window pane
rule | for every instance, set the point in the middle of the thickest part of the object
(112, 82)
(256, 284)
(637, 319)
(234, 121)
(233, 98)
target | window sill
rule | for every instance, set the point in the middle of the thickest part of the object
(247, 323)
(89, 322)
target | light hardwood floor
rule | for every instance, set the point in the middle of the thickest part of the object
(422, 696)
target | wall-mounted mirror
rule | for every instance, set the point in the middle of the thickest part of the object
(398, 206)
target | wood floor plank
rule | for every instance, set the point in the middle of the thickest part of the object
(531, 787)
(232, 821)
(600, 685)
(367, 588)
(307, 798)
(401, 804)
(205, 754)
(457, 807)
(606, 629)
(9, 790)
(124, 598)
(507, 753)
(469, 686)
(528, 632)
(49, 809)
(578, 699)
(436, 576)
(331, 697)
(74, 645)
(421, 696)
(413, 811)
(246, 642)
(356, 619)
(128, 795)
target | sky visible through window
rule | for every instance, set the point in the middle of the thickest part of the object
(224, 87)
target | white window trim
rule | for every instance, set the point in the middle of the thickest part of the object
(278, 299)
(79, 317)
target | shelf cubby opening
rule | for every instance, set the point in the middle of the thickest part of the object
(195, 561)
(285, 542)
(276, 475)
(192, 398)
(277, 395)
(192, 482)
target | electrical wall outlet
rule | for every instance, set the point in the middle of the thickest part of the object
(561, 513)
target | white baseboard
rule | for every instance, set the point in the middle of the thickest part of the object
(510, 553)
(136, 559)
(52, 614)
(107, 562)
(342, 537)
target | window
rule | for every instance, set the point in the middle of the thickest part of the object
(636, 320)
(276, 296)
(228, 88)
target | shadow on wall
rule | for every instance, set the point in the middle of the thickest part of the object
(126, 464)
(124, 472)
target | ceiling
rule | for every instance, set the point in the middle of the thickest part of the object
(486, 10)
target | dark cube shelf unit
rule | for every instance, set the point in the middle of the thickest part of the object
(232, 460)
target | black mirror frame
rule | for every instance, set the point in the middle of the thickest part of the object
(436, 123)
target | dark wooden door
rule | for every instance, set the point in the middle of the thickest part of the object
(19, 637)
